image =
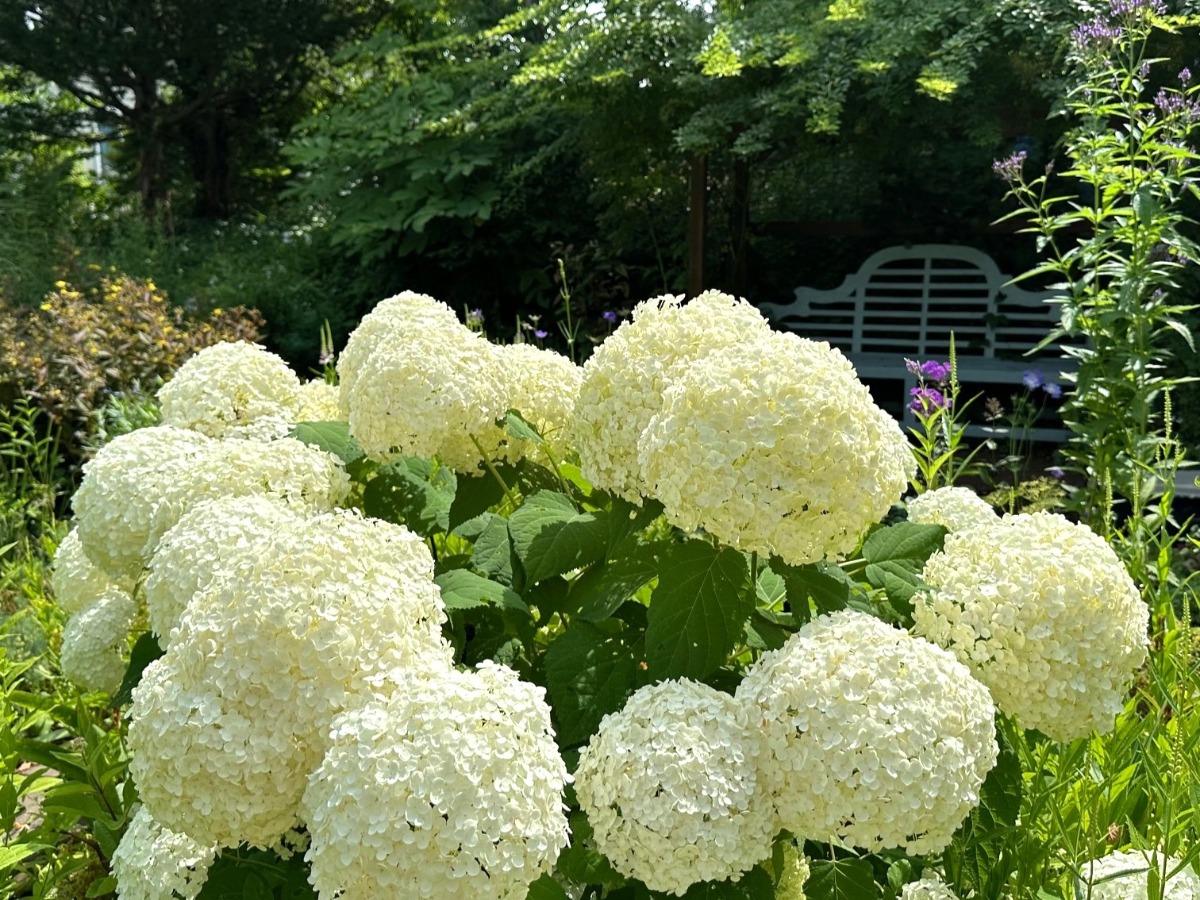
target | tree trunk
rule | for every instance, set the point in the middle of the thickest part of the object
(207, 141)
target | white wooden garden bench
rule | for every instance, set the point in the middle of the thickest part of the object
(904, 302)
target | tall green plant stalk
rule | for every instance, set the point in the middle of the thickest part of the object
(1111, 224)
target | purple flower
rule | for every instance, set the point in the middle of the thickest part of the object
(475, 318)
(1185, 76)
(1032, 379)
(1052, 389)
(541, 334)
(1057, 472)
(926, 400)
(1097, 33)
(935, 371)
(610, 317)
(1010, 167)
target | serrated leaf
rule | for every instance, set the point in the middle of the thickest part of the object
(466, 590)
(897, 580)
(145, 651)
(603, 588)
(625, 520)
(412, 492)
(770, 588)
(332, 437)
(516, 426)
(546, 888)
(828, 590)
(581, 862)
(698, 610)
(762, 633)
(840, 879)
(551, 536)
(591, 672)
(904, 542)
(754, 885)
(494, 554)
(475, 494)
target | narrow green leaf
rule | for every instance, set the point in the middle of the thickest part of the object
(698, 610)
(102, 887)
(466, 590)
(13, 854)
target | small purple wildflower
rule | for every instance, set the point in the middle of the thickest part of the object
(1098, 33)
(1032, 379)
(475, 318)
(1010, 167)
(1144, 69)
(1052, 390)
(1129, 7)
(541, 334)
(1056, 472)
(610, 317)
(1185, 76)
(926, 400)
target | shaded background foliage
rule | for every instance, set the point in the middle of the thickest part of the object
(307, 158)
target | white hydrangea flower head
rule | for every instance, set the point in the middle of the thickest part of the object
(123, 496)
(623, 381)
(262, 430)
(320, 401)
(306, 478)
(226, 727)
(229, 385)
(929, 887)
(543, 386)
(194, 549)
(1125, 876)
(954, 508)
(429, 394)
(795, 873)
(450, 787)
(76, 580)
(94, 642)
(152, 863)
(406, 314)
(139, 485)
(875, 737)
(1046, 616)
(775, 446)
(669, 785)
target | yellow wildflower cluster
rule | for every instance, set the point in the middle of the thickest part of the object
(79, 346)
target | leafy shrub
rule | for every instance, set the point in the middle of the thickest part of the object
(81, 346)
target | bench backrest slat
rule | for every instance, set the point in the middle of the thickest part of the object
(912, 297)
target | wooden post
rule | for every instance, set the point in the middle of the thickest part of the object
(697, 207)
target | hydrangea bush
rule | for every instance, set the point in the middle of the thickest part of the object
(497, 626)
